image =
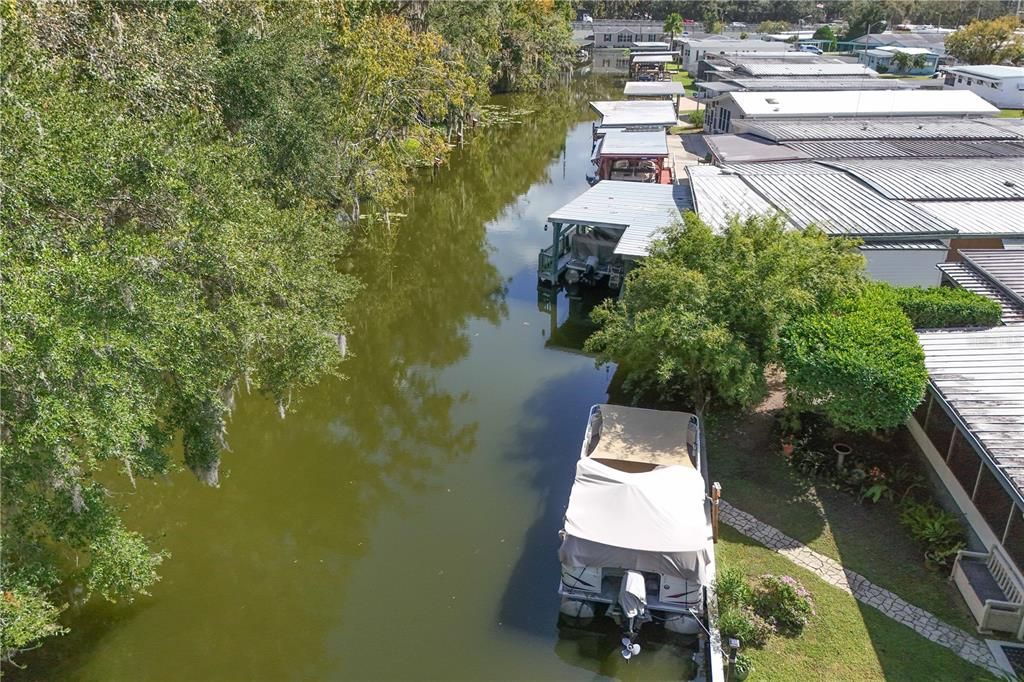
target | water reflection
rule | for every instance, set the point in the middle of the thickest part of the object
(401, 522)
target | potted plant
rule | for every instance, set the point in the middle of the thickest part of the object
(743, 667)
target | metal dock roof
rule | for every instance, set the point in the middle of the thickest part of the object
(856, 103)
(979, 375)
(744, 148)
(1003, 218)
(622, 114)
(937, 128)
(653, 88)
(718, 196)
(643, 209)
(652, 59)
(641, 143)
(938, 179)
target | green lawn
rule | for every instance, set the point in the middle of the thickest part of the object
(1011, 113)
(681, 77)
(845, 641)
(866, 538)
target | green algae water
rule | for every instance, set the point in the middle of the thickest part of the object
(401, 522)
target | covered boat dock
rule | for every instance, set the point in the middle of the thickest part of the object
(650, 66)
(634, 156)
(600, 232)
(638, 115)
(667, 90)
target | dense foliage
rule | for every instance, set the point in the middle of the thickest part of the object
(988, 42)
(859, 364)
(173, 178)
(752, 614)
(701, 317)
(941, 307)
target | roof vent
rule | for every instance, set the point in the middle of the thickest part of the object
(1010, 183)
(771, 100)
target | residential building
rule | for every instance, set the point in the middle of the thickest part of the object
(911, 214)
(919, 61)
(970, 427)
(935, 41)
(693, 50)
(1002, 86)
(731, 107)
(622, 33)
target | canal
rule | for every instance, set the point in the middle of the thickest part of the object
(401, 522)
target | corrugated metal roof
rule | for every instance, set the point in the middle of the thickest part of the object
(642, 209)
(854, 103)
(839, 204)
(993, 71)
(761, 69)
(866, 149)
(652, 59)
(886, 245)
(621, 114)
(938, 179)
(653, 89)
(848, 83)
(717, 196)
(996, 218)
(623, 143)
(968, 278)
(744, 148)
(886, 129)
(979, 374)
(1003, 267)
(656, 45)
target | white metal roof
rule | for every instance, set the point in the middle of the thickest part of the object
(643, 209)
(938, 179)
(1005, 218)
(655, 45)
(852, 103)
(891, 49)
(717, 197)
(625, 143)
(653, 88)
(758, 69)
(994, 273)
(866, 149)
(783, 83)
(638, 113)
(993, 71)
(652, 59)
(885, 129)
(979, 374)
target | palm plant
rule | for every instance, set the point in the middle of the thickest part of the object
(902, 60)
(919, 61)
(673, 25)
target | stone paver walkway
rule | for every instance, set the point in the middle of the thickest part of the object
(831, 571)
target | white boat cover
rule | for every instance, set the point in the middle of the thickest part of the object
(647, 521)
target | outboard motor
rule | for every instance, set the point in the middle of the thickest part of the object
(633, 602)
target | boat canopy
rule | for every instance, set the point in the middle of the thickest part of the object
(648, 521)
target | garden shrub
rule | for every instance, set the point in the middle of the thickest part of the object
(940, 532)
(941, 307)
(731, 588)
(745, 625)
(781, 599)
(697, 118)
(860, 365)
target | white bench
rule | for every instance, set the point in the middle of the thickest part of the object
(993, 590)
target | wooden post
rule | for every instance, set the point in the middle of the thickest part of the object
(716, 496)
(556, 229)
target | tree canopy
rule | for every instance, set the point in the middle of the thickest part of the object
(701, 317)
(173, 178)
(988, 42)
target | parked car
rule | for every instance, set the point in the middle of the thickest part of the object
(809, 48)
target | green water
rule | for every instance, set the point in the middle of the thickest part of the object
(400, 523)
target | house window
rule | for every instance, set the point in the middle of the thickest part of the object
(992, 501)
(970, 82)
(963, 460)
(960, 80)
(940, 429)
(994, 86)
(607, 37)
(1014, 544)
(651, 37)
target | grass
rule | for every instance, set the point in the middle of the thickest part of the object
(866, 538)
(1011, 113)
(681, 77)
(845, 641)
